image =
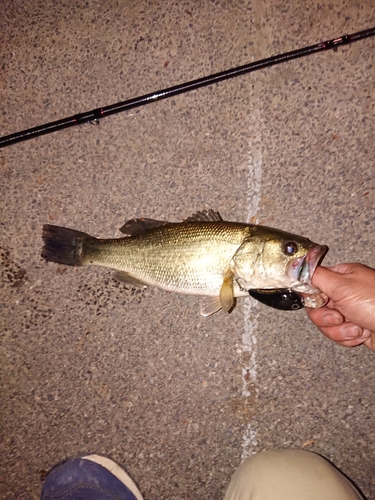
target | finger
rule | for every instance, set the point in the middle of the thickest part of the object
(327, 279)
(346, 334)
(370, 341)
(325, 316)
(362, 340)
(345, 268)
(351, 343)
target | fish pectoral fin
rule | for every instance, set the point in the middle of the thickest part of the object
(139, 226)
(226, 292)
(128, 280)
(204, 216)
(210, 305)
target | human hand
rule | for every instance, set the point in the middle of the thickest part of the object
(349, 316)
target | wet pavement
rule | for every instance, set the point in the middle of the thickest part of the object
(88, 365)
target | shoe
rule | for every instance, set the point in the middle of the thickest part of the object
(90, 477)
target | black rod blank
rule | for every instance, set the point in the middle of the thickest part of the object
(96, 114)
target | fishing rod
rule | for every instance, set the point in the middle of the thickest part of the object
(95, 115)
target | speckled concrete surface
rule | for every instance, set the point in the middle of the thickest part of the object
(89, 366)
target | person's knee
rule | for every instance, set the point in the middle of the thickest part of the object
(289, 474)
(279, 462)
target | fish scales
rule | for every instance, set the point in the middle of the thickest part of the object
(185, 258)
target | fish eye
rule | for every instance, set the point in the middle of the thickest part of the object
(290, 248)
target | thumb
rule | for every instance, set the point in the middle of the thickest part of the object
(327, 279)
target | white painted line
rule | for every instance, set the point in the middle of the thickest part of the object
(254, 164)
(249, 373)
(249, 368)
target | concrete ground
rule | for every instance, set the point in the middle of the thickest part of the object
(90, 366)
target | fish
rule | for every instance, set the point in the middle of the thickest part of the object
(203, 255)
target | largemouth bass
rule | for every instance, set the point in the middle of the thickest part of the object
(203, 255)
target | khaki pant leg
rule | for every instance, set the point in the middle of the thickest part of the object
(289, 475)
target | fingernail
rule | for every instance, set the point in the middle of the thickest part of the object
(352, 332)
(332, 319)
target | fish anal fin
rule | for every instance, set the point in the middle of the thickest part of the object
(226, 292)
(204, 216)
(128, 280)
(209, 306)
(139, 226)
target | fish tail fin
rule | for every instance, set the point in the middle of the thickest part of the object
(63, 245)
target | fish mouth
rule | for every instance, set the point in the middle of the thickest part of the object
(302, 269)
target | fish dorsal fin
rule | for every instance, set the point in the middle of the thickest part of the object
(134, 227)
(210, 305)
(226, 291)
(204, 216)
(128, 280)
(139, 226)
